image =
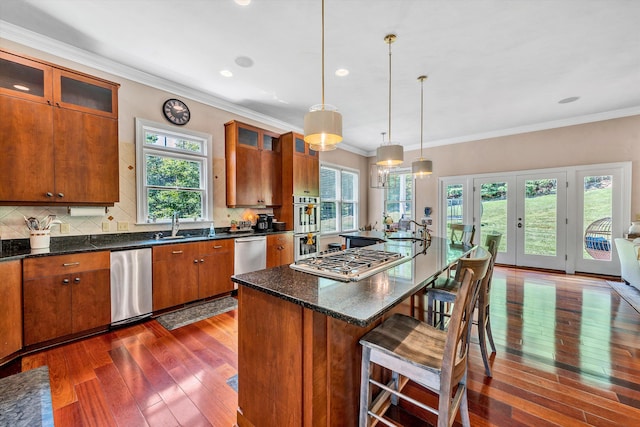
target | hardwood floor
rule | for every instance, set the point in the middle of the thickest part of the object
(568, 354)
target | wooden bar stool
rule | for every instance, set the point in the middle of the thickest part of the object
(443, 290)
(415, 350)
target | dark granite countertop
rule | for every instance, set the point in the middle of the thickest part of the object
(19, 248)
(25, 399)
(359, 303)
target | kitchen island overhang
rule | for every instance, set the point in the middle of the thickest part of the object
(298, 335)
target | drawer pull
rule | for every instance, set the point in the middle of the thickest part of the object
(217, 247)
(70, 264)
(176, 252)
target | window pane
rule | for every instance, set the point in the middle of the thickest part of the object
(348, 216)
(169, 172)
(596, 218)
(493, 211)
(349, 186)
(162, 203)
(328, 217)
(328, 183)
(167, 141)
(397, 210)
(454, 204)
(540, 212)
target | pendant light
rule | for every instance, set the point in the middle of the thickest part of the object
(422, 167)
(389, 154)
(323, 123)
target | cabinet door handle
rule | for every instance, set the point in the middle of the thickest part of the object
(61, 195)
(49, 194)
(217, 247)
(77, 280)
(176, 252)
(70, 264)
(201, 261)
(195, 261)
(65, 282)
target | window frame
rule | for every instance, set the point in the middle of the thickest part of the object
(403, 171)
(204, 158)
(339, 201)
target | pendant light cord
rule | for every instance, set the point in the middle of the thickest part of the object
(390, 41)
(323, 54)
(421, 78)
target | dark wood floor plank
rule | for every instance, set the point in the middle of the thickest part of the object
(62, 388)
(120, 401)
(133, 376)
(94, 405)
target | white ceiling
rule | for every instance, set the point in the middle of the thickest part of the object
(495, 67)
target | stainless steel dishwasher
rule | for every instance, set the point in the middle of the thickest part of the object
(131, 285)
(250, 254)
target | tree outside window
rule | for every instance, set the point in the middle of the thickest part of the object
(173, 174)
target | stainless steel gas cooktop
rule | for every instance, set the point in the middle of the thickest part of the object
(349, 265)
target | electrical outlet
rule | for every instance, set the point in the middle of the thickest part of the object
(106, 226)
(123, 226)
(637, 217)
(65, 228)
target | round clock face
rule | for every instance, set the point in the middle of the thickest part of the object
(176, 111)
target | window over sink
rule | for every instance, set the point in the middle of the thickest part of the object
(174, 173)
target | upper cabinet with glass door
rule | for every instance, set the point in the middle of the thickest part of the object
(42, 82)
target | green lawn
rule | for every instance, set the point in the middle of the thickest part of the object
(540, 231)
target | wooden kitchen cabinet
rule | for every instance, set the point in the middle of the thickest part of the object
(300, 174)
(279, 249)
(215, 267)
(62, 124)
(11, 308)
(186, 272)
(175, 275)
(65, 295)
(253, 166)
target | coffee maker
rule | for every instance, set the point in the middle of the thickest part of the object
(262, 223)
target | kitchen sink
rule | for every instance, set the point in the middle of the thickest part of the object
(172, 237)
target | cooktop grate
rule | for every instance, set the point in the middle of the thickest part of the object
(349, 265)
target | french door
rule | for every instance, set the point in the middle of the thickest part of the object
(560, 219)
(530, 213)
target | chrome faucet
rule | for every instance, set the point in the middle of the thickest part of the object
(424, 231)
(175, 224)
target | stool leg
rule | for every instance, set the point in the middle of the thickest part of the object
(489, 334)
(483, 341)
(365, 390)
(396, 387)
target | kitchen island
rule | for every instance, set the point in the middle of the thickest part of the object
(298, 334)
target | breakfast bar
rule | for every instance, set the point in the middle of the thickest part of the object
(298, 333)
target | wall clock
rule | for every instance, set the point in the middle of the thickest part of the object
(176, 111)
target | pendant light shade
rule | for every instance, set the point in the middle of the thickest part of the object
(390, 154)
(323, 123)
(422, 167)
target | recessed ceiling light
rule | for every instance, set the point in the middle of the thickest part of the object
(226, 73)
(20, 87)
(568, 100)
(244, 61)
(243, 2)
(341, 72)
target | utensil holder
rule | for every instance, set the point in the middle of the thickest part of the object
(40, 239)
